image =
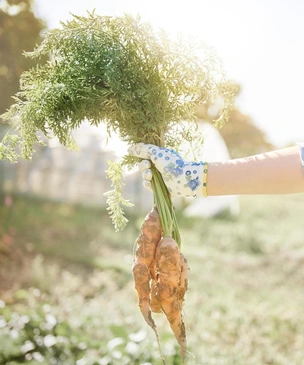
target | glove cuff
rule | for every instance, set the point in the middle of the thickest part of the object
(205, 171)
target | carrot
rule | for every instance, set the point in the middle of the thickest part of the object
(181, 290)
(149, 238)
(168, 263)
(144, 256)
(141, 276)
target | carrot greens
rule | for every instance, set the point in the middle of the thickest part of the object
(119, 71)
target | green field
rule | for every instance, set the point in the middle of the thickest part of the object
(67, 295)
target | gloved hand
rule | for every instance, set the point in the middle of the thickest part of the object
(182, 178)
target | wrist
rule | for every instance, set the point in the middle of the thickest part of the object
(205, 172)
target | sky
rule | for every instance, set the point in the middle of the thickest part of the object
(261, 44)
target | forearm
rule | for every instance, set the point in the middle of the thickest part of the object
(276, 172)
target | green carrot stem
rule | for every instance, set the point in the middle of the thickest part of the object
(162, 199)
(176, 234)
(165, 207)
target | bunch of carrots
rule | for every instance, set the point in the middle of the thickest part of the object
(160, 274)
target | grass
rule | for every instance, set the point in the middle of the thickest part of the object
(250, 287)
(245, 300)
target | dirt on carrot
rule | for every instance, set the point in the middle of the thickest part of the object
(154, 303)
(183, 282)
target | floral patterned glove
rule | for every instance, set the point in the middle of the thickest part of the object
(182, 178)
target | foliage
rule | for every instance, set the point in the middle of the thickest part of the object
(39, 336)
(115, 200)
(8, 148)
(20, 30)
(242, 137)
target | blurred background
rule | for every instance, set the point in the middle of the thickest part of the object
(66, 291)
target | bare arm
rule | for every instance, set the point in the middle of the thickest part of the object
(276, 172)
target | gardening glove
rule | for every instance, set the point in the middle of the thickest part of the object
(182, 178)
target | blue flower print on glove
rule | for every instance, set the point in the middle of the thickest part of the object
(182, 178)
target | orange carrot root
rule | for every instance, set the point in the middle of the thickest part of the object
(141, 276)
(144, 256)
(149, 238)
(168, 263)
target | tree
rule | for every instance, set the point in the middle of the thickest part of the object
(20, 31)
(241, 135)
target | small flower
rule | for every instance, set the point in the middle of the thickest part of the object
(175, 171)
(180, 163)
(193, 184)
(188, 173)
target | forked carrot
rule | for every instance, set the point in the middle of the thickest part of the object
(160, 274)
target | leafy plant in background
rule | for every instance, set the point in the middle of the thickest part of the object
(39, 337)
(36, 338)
(20, 30)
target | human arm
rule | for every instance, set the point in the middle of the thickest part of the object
(275, 172)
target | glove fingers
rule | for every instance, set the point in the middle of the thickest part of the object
(161, 157)
(141, 150)
(144, 165)
(147, 175)
(147, 185)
